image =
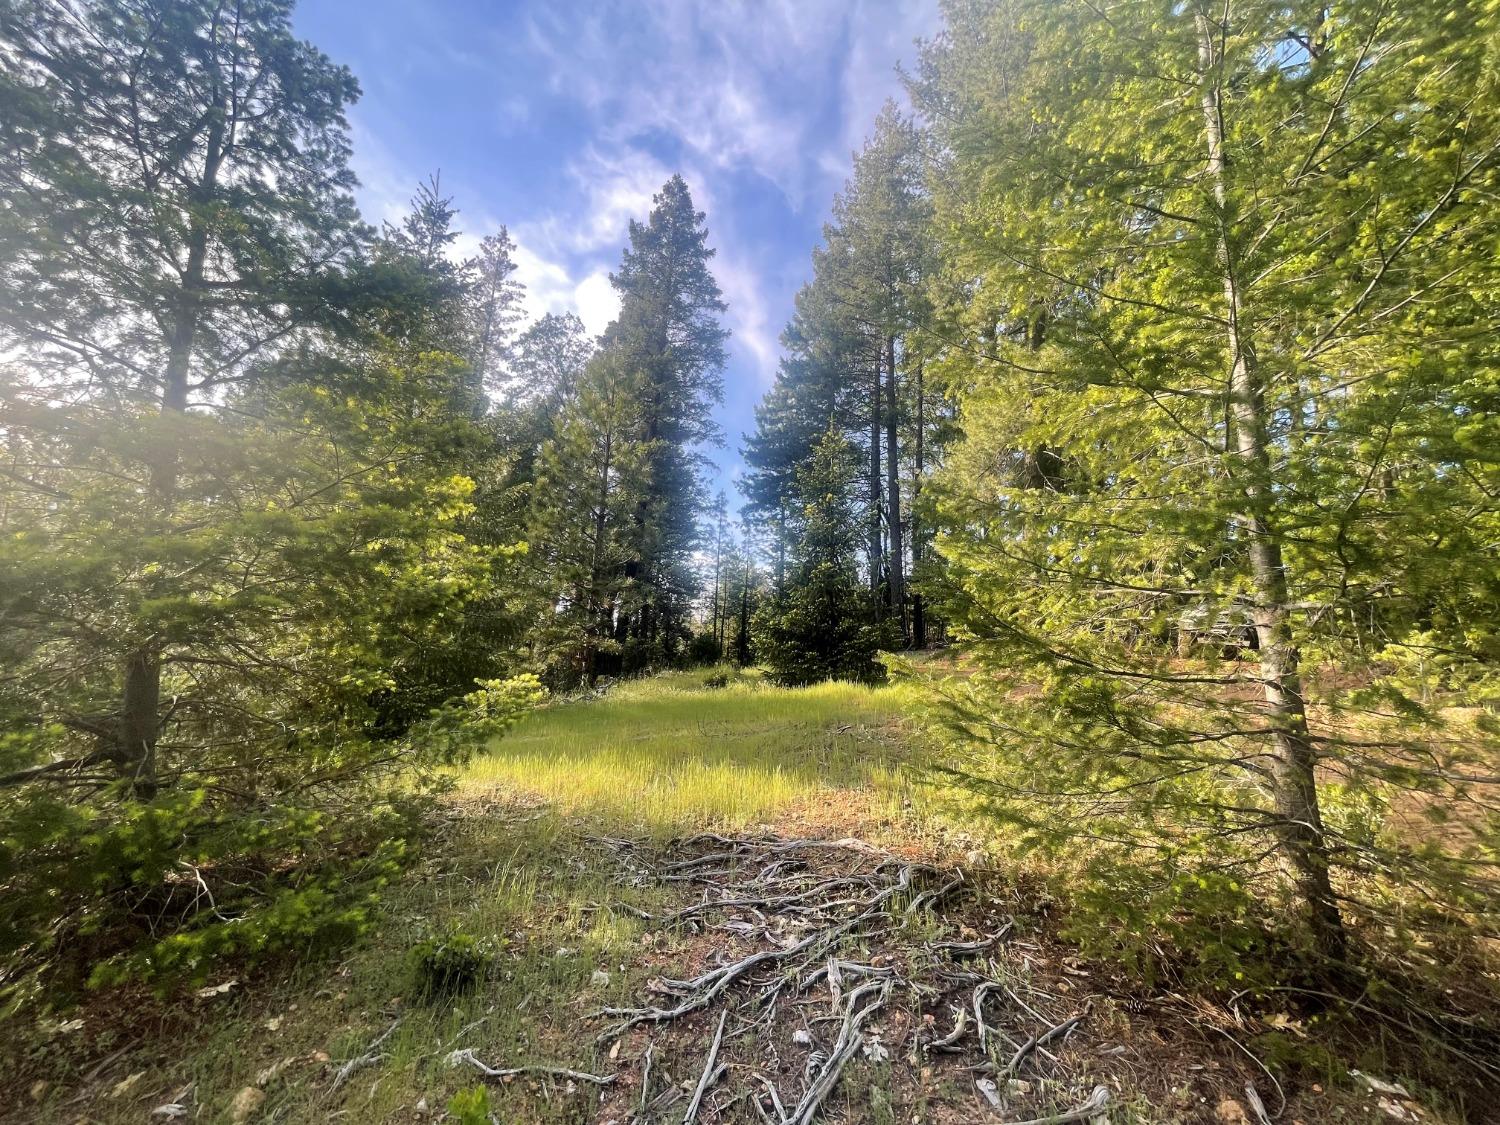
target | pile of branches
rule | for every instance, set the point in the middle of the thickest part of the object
(824, 953)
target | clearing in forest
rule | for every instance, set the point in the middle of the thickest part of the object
(684, 903)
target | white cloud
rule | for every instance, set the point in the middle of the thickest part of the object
(739, 82)
(749, 321)
(596, 302)
(614, 188)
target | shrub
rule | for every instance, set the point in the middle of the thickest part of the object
(470, 1107)
(448, 965)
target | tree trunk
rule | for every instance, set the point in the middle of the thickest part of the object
(596, 622)
(895, 567)
(918, 608)
(742, 642)
(1299, 823)
(781, 548)
(877, 565)
(140, 696)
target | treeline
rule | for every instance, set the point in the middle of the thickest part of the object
(293, 511)
(845, 440)
(1155, 359)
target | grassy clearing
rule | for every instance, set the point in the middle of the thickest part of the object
(517, 865)
(668, 755)
(527, 863)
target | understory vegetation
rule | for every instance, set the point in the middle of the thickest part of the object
(535, 904)
(1109, 638)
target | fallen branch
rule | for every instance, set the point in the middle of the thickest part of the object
(372, 1055)
(1026, 1049)
(947, 1042)
(845, 1047)
(709, 1073)
(958, 949)
(709, 986)
(466, 1055)
(1097, 1103)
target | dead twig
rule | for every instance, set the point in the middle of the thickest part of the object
(1097, 1103)
(1026, 1049)
(848, 1043)
(948, 1042)
(466, 1055)
(371, 1055)
(709, 1073)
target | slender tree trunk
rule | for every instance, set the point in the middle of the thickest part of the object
(597, 623)
(877, 564)
(893, 488)
(918, 608)
(1299, 823)
(742, 642)
(140, 696)
(781, 548)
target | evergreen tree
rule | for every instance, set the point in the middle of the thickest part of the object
(494, 312)
(825, 626)
(1214, 268)
(591, 477)
(669, 338)
(233, 516)
(175, 202)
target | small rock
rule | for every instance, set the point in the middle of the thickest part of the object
(1379, 1086)
(990, 1091)
(1231, 1112)
(802, 1038)
(1018, 1087)
(599, 979)
(245, 1103)
(422, 1107)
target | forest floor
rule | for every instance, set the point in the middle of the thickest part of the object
(711, 904)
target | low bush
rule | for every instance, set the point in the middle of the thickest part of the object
(452, 963)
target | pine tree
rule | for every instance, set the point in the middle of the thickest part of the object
(591, 476)
(825, 626)
(494, 312)
(176, 201)
(1211, 267)
(669, 337)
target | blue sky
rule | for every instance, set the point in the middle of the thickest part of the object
(559, 118)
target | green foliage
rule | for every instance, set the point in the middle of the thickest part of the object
(444, 966)
(470, 1106)
(251, 602)
(825, 626)
(1215, 533)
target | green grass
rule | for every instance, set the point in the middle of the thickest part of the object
(667, 755)
(654, 758)
(520, 866)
